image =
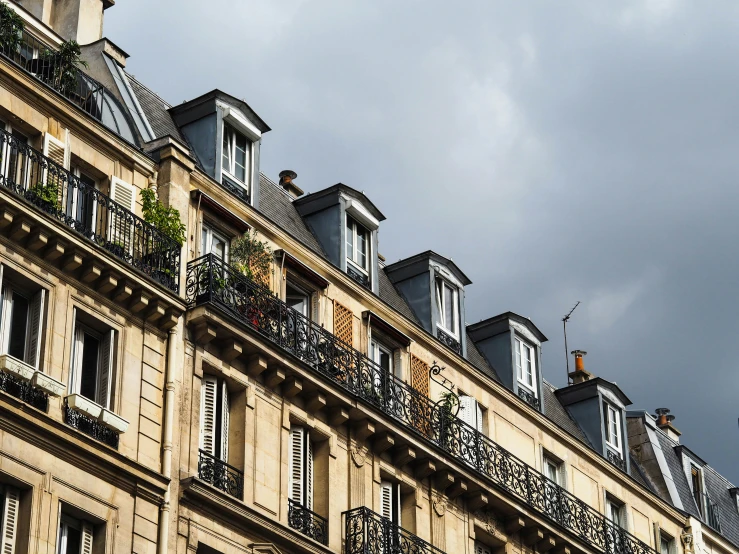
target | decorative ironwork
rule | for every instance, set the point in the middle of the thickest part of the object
(221, 475)
(309, 523)
(358, 276)
(43, 62)
(238, 190)
(89, 426)
(447, 340)
(713, 513)
(528, 397)
(43, 183)
(616, 459)
(24, 391)
(211, 281)
(366, 532)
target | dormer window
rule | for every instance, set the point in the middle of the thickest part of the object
(696, 485)
(447, 302)
(357, 244)
(526, 365)
(235, 159)
(612, 426)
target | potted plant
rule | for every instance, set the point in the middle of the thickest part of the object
(252, 257)
(11, 30)
(63, 67)
(166, 220)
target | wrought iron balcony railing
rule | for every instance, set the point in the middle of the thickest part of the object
(713, 513)
(89, 426)
(528, 397)
(221, 475)
(448, 340)
(369, 533)
(24, 391)
(307, 522)
(358, 276)
(616, 459)
(43, 183)
(210, 281)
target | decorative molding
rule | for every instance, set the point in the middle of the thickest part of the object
(438, 501)
(359, 454)
(491, 523)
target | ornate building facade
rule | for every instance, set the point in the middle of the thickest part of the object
(160, 392)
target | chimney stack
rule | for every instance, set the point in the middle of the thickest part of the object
(579, 375)
(80, 20)
(664, 422)
(286, 182)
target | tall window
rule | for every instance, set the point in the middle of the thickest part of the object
(612, 426)
(381, 355)
(665, 543)
(9, 506)
(75, 536)
(91, 373)
(390, 506)
(447, 304)
(526, 365)
(615, 511)
(214, 417)
(696, 485)
(297, 299)
(21, 322)
(553, 469)
(235, 159)
(82, 202)
(213, 242)
(300, 475)
(357, 245)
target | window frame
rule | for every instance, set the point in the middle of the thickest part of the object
(222, 406)
(699, 495)
(306, 470)
(82, 324)
(520, 345)
(608, 409)
(376, 348)
(207, 233)
(352, 226)
(299, 292)
(230, 171)
(664, 537)
(441, 307)
(550, 461)
(620, 509)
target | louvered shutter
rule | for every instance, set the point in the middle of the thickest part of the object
(295, 481)
(398, 362)
(105, 376)
(225, 414)
(10, 520)
(315, 300)
(478, 415)
(33, 346)
(56, 151)
(86, 547)
(4, 331)
(481, 548)
(208, 394)
(120, 226)
(467, 410)
(78, 341)
(308, 472)
(386, 499)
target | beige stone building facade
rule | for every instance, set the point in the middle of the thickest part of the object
(166, 397)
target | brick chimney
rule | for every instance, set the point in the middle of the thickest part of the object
(579, 375)
(80, 20)
(287, 183)
(664, 422)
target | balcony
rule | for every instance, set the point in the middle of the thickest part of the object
(210, 282)
(307, 522)
(616, 459)
(221, 475)
(40, 182)
(358, 276)
(370, 533)
(529, 398)
(24, 391)
(89, 426)
(448, 340)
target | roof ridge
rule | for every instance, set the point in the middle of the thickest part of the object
(142, 85)
(278, 187)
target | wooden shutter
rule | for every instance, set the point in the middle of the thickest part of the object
(225, 414)
(105, 371)
(10, 520)
(343, 324)
(75, 359)
(86, 538)
(120, 228)
(295, 478)
(420, 375)
(315, 300)
(36, 316)
(482, 549)
(386, 499)
(57, 152)
(208, 394)
(308, 472)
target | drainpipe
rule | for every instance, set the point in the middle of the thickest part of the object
(167, 441)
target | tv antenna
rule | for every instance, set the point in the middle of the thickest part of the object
(565, 319)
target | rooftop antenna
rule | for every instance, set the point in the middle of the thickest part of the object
(565, 319)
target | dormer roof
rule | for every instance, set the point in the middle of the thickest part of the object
(492, 326)
(318, 200)
(406, 266)
(198, 107)
(587, 389)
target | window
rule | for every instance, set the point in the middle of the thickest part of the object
(75, 536)
(526, 365)
(21, 322)
(235, 153)
(553, 469)
(614, 511)
(213, 242)
(481, 548)
(9, 507)
(381, 355)
(696, 485)
(666, 544)
(82, 202)
(447, 303)
(300, 476)
(91, 373)
(357, 244)
(612, 426)
(390, 501)
(214, 417)
(297, 299)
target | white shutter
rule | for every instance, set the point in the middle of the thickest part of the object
(105, 371)
(295, 477)
(120, 228)
(396, 491)
(86, 538)
(467, 410)
(398, 362)
(208, 394)
(478, 415)
(55, 150)
(75, 360)
(10, 520)
(33, 346)
(225, 407)
(315, 299)
(4, 311)
(308, 472)
(482, 549)
(386, 499)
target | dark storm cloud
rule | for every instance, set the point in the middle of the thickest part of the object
(557, 151)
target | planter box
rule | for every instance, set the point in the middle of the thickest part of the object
(84, 405)
(18, 368)
(48, 384)
(113, 421)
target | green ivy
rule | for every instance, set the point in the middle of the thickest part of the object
(252, 256)
(11, 29)
(165, 219)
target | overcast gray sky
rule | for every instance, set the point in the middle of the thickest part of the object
(557, 151)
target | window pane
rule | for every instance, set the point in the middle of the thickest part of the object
(227, 138)
(240, 157)
(664, 546)
(73, 542)
(384, 360)
(361, 247)
(519, 367)
(18, 327)
(528, 376)
(219, 247)
(349, 239)
(89, 370)
(449, 309)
